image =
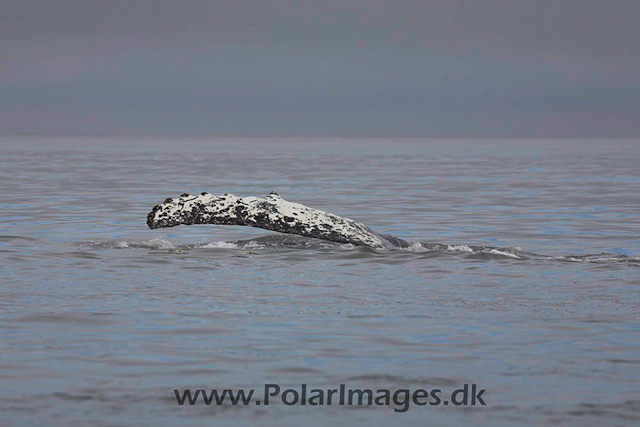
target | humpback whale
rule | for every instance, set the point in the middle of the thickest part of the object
(270, 213)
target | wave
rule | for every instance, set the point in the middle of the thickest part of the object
(123, 244)
(281, 242)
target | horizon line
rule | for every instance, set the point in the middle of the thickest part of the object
(303, 136)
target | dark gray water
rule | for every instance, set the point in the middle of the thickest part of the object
(522, 277)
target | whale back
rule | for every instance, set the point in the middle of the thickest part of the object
(270, 213)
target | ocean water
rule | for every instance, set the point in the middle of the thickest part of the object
(522, 276)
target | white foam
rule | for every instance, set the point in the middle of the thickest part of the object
(459, 248)
(503, 253)
(597, 260)
(158, 243)
(220, 245)
(416, 247)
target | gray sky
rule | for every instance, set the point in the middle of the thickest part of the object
(322, 67)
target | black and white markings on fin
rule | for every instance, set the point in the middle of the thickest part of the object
(270, 213)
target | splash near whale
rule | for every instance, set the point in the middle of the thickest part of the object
(270, 213)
